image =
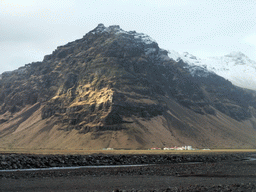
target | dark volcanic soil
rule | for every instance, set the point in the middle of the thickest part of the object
(229, 173)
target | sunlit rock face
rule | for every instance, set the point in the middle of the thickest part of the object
(118, 88)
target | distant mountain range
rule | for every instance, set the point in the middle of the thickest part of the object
(118, 89)
(235, 67)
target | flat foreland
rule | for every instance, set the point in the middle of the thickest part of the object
(194, 171)
(123, 152)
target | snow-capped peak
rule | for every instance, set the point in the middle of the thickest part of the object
(236, 58)
(236, 67)
(117, 30)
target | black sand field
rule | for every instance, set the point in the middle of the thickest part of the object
(207, 172)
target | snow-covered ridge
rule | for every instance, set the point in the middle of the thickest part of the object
(194, 64)
(236, 67)
(116, 29)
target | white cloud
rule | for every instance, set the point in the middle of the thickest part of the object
(251, 39)
(17, 3)
(169, 2)
(46, 10)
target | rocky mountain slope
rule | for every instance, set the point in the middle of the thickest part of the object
(235, 67)
(114, 88)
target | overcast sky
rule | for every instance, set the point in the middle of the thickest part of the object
(30, 29)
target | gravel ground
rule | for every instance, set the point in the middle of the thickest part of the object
(22, 161)
(225, 172)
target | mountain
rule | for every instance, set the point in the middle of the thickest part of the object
(235, 67)
(114, 88)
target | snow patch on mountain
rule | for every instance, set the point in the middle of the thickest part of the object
(117, 30)
(196, 68)
(236, 67)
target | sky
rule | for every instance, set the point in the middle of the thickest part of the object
(30, 29)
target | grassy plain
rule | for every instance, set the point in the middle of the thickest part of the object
(117, 152)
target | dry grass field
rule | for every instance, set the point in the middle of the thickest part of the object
(118, 152)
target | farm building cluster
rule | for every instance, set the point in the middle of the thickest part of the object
(165, 148)
(174, 148)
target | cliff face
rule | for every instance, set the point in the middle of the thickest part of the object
(114, 88)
